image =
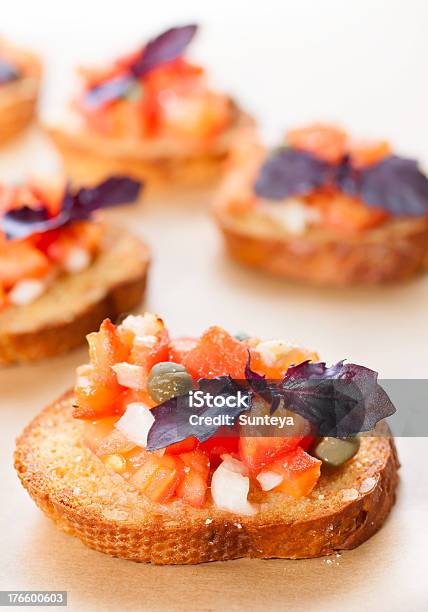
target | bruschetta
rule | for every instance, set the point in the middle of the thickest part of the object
(20, 75)
(150, 113)
(62, 268)
(121, 463)
(325, 209)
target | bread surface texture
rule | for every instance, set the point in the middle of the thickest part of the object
(76, 304)
(89, 156)
(86, 499)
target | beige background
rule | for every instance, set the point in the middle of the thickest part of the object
(193, 285)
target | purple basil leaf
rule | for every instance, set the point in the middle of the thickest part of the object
(395, 184)
(113, 191)
(287, 172)
(172, 417)
(340, 400)
(113, 89)
(164, 48)
(346, 178)
(25, 221)
(8, 72)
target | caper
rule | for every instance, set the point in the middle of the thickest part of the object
(168, 379)
(336, 451)
(241, 335)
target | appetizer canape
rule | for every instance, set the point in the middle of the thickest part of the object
(126, 464)
(151, 113)
(62, 268)
(20, 74)
(325, 209)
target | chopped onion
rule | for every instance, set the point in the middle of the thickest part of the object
(272, 350)
(294, 215)
(129, 375)
(143, 325)
(269, 480)
(147, 341)
(26, 291)
(229, 489)
(232, 464)
(77, 259)
(135, 424)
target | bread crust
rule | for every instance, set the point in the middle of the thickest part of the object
(75, 489)
(18, 99)
(76, 305)
(91, 157)
(395, 252)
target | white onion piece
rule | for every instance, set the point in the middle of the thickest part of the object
(294, 215)
(129, 375)
(272, 350)
(143, 325)
(234, 465)
(77, 259)
(229, 490)
(147, 341)
(26, 291)
(135, 424)
(269, 480)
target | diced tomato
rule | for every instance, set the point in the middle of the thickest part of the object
(3, 298)
(97, 391)
(105, 350)
(59, 243)
(306, 442)
(220, 445)
(95, 400)
(45, 240)
(177, 75)
(87, 234)
(130, 396)
(25, 196)
(327, 142)
(258, 451)
(50, 192)
(147, 356)
(348, 214)
(179, 347)
(149, 113)
(187, 445)
(300, 472)
(18, 260)
(8, 197)
(159, 477)
(368, 153)
(201, 115)
(217, 353)
(193, 487)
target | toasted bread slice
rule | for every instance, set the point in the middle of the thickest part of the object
(394, 252)
(89, 156)
(18, 99)
(86, 499)
(76, 304)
